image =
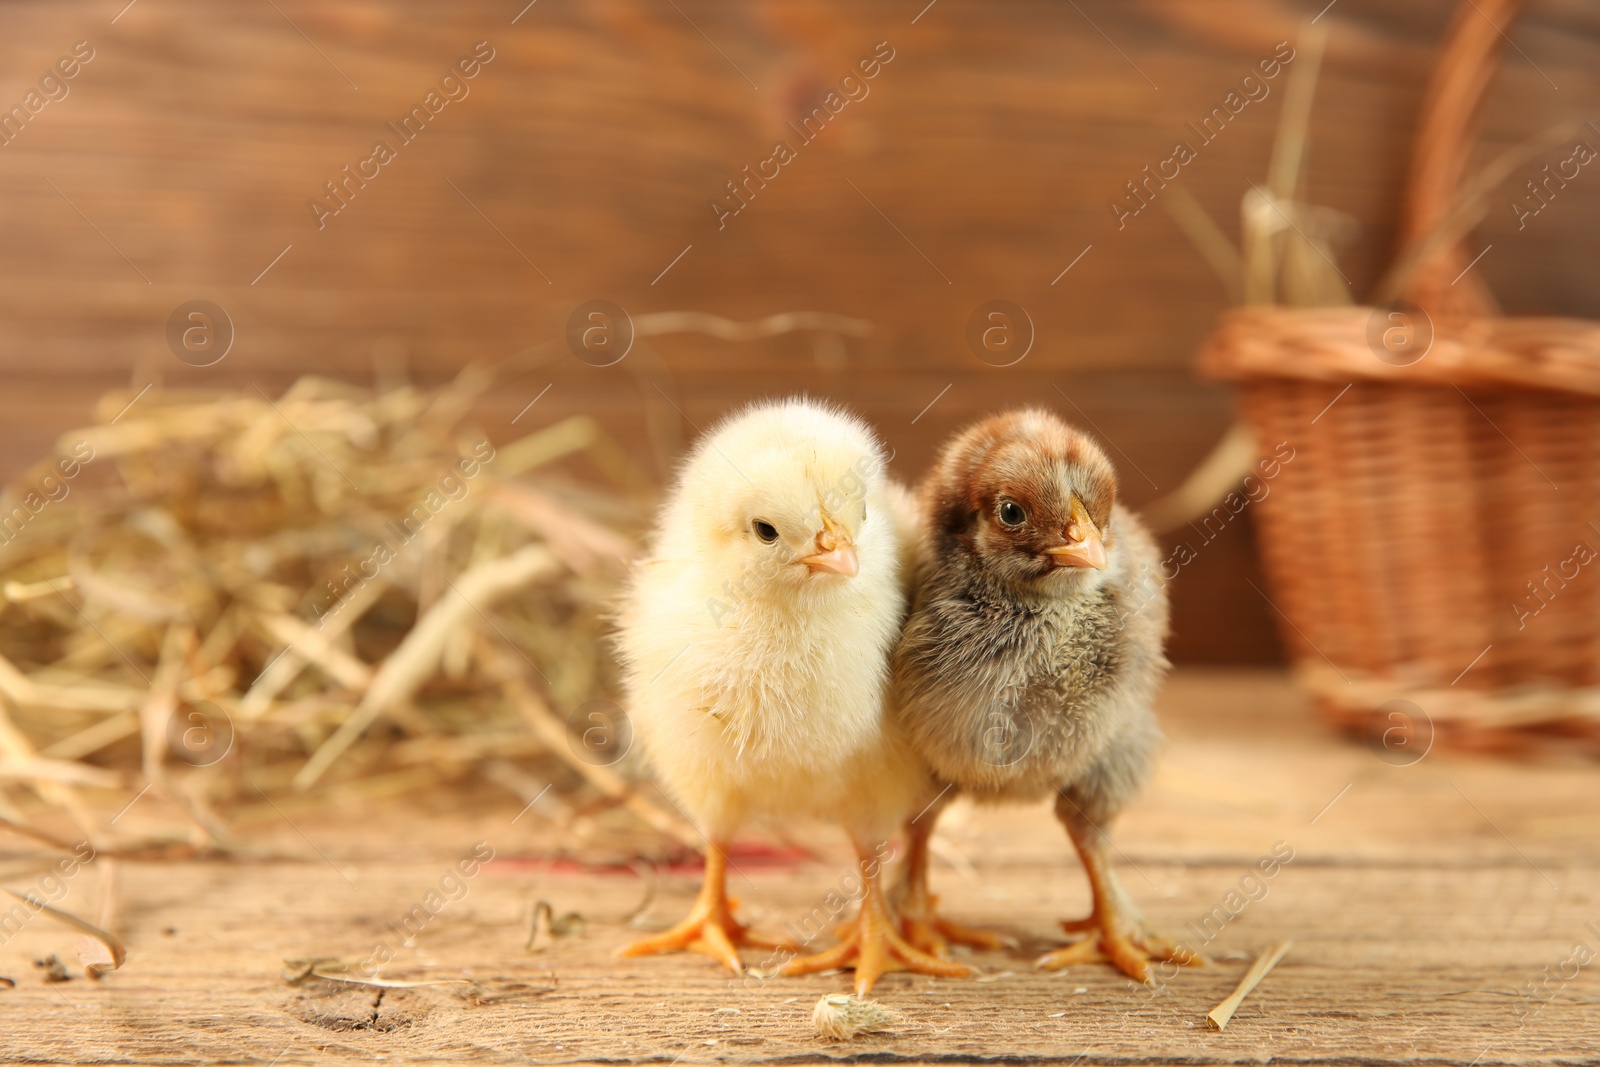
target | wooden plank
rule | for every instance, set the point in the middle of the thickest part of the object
(1418, 903)
(995, 141)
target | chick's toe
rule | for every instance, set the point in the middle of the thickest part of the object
(920, 922)
(873, 946)
(1117, 932)
(1129, 950)
(710, 927)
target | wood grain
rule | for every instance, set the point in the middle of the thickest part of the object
(587, 153)
(1422, 902)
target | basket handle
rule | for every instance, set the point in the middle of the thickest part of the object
(1446, 133)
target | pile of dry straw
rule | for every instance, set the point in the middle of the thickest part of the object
(231, 598)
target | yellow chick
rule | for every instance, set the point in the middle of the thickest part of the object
(755, 642)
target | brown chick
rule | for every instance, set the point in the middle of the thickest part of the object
(1032, 656)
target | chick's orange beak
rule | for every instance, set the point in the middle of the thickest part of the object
(835, 552)
(1084, 546)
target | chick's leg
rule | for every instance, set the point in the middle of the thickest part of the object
(1117, 933)
(921, 924)
(710, 927)
(874, 945)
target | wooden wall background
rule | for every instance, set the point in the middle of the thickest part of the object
(581, 164)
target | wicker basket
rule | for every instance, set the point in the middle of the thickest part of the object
(1436, 537)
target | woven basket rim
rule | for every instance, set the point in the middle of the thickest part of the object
(1551, 353)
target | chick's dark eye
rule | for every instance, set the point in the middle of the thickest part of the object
(1011, 513)
(765, 530)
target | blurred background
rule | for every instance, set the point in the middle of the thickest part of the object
(585, 162)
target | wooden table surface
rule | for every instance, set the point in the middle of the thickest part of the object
(1442, 912)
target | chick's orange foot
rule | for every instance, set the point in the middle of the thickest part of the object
(922, 925)
(1117, 933)
(934, 934)
(711, 931)
(710, 927)
(1124, 943)
(920, 922)
(873, 946)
